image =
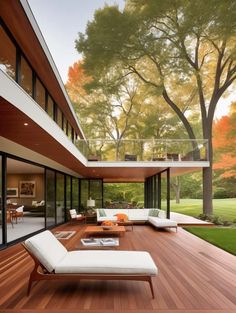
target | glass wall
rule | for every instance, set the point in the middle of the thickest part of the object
(50, 107)
(50, 198)
(75, 193)
(25, 205)
(84, 194)
(26, 78)
(1, 228)
(59, 118)
(60, 198)
(7, 54)
(68, 196)
(96, 192)
(40, 94)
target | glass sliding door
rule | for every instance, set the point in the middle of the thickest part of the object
(25, 204)
(75, 193)
(50, 198)
(60, 198)
(95, 192)
(68, 197)
(84, 194)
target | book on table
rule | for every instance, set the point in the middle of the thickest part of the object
(100, 241)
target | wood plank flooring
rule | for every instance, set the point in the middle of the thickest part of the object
(194, 277)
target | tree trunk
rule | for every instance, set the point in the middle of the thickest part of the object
(176, 187)
(207, 182)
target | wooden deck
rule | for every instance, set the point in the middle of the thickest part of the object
(194, 277)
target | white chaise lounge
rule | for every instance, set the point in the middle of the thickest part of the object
(138, 216)
(54, 262)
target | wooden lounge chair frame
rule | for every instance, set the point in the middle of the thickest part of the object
(41, 273)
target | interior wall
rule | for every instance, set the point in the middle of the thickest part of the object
(13, 181)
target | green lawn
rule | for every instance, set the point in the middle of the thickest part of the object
(225, 208)
(224, 238)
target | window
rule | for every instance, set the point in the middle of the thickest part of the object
(50, 107)
(59, 117)
(7, 54)
(60, 198)
(50, 196)
(25, 207)
(69, 133)
(40, 94)
(75, 193)
(26, 76)
(68, 196)
(64, 124)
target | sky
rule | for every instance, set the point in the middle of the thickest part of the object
(60, 22)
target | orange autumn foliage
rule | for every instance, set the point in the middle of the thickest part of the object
(224, 143)
(77, 79)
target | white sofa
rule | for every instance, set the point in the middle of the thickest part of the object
(138, 216)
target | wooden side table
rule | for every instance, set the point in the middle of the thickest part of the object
(126, 223)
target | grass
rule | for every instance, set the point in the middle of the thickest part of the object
(224, 208)
(224, 238)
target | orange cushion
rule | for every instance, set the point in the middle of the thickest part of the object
(121, 217)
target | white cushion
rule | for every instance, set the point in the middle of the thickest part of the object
(161, 222)
(47, 249)
(138, 214)
(73, 213)
(107, 218)
(101, 261)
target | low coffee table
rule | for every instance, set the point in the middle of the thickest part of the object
(98, 230)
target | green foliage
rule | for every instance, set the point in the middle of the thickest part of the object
(223, 238)
(127, 192)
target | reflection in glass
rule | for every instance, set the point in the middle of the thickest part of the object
(64, 124)
(59, 117)
(84, 193)
(68, 196)
(69, 132)
(50, 107)
(75, 193)
(50, 196)
(96, 192)
(60, 199)
(40, 94)
(25, 207)
(7, 54)
(26, 76)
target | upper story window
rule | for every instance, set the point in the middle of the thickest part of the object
(50, 107)
(64, 124)
(40, 93)
(69, 131)
(26, 77)
(7, 54)
(59, 117)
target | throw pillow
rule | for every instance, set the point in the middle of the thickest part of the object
(102, 213)
(153, 212)
(121, 217)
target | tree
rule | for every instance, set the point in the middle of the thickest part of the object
(169, 45)
(224, 141)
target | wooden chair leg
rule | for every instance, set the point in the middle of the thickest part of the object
(151, 287)
(29, 285)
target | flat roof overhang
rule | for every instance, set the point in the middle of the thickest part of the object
(18, 17)
(37, 139)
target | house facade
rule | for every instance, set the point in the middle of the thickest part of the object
(47, 166)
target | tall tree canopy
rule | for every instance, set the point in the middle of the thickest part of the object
(170, 46)
(224, 142)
